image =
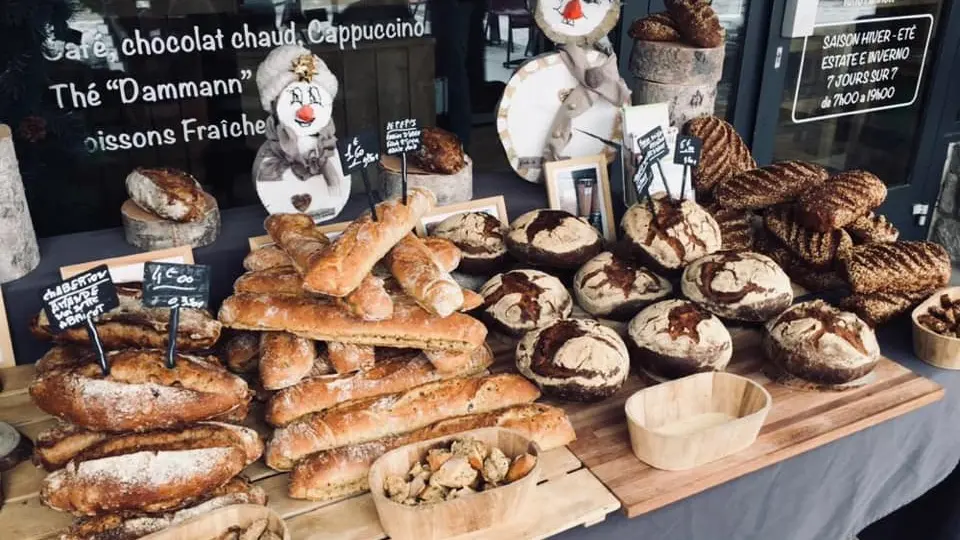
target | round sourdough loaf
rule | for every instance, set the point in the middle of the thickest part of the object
(676, 338)
(480, 236)
(574, 359)
(611, 287)
(519, 301)
(553, 239)
(822, 344)
(681, 232)
(738, 285)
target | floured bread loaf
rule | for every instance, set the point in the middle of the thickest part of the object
(169, 193)
(724, 153)
(697, 22)
(612, 287)
(553, 239)
(285, 359)
(265, 258)
(736, 229)
(819, 343)
(481, 238)
(743, 286)
(873, 228)
(574, 360)
(841, 200)
(655, 27)
(676, 338)
(240, 351)
(774, 184)
(681, 232)
(518, 301)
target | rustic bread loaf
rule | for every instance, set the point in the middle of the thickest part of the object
(612, 287)
(266, 257)
(897, 267)
(349, 357)
(276, 280)
(774, 184)
(800, 272)
(65, 356)
(676, 338)
(841, 200)
(574, 360)
(518, 301)
(723, 153)
(697, 22)
(372, 418)
(388, 376)
(140, 393)
(444, 252)
(481, 238)
(410, 327)
(440, 152)
(413, 266)
(679, 233)
(736, 228)
(240, 351)
(655, 27)
(738, 285)
(883, 306)
(873, 228)
(169, 193)
(285, 359)
(298, 236)
(342, 472)
(553, 239)
(819, 343)
(819, 250)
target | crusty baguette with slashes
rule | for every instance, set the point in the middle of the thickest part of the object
(298, 236)
(414, 268)
(445, 253)
(265, 258)
(285, 359)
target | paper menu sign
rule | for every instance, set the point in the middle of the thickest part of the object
(637, 121)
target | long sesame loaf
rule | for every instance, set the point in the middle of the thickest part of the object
(897, 267)
(724, 153)
(870, 228)
(881, 307)
(819, 250)
(768, 186)
(342, 472)
(841, 200)
(369, 419)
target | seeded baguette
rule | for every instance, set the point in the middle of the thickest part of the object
(902, 267)
(774, 184)
(816, 249)
(882, 307)
(841, 200)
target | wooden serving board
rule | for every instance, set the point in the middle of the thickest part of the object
(799, 421)
(570, 494)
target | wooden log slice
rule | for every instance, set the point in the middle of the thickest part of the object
(676, 63)
(449, 188)
(686, 102)
(149, 232)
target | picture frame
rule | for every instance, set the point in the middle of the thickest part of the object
(495, 206)
(332, 231)
(571, 180)
(129, 268)
(7, 359)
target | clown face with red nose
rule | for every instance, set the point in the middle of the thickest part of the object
(298, 169)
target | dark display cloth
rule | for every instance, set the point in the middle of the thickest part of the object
(830, 493)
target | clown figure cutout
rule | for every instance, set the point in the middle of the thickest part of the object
(297, 169)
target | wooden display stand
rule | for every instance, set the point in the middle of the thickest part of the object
(685, 77)
(150, 232)
(449, 188)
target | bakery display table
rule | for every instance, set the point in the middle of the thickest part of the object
(830, 492)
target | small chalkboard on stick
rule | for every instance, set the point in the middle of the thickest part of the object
(359, 152)
(175, 286)
(79, 300)
(403, 136)
(687, 153)
(652, 147)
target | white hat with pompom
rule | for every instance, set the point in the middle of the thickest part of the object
(288, 64)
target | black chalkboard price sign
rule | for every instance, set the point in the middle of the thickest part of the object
(78, 301)
(358, 152)
(651, 147)
(687, 153)
(175, 286)
(403, 136)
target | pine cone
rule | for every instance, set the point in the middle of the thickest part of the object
(33, 129)
(697, 22)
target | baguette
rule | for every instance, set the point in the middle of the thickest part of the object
(140, 393)
(145, 481)
(774, 184)
(901, 267)
(338, 270)
(410, 327)
(368, 419)
(841, 200)
(347, 357)
(342, 472)
(471, 300)
(386, 377)
(298, 237)
(445, 253)
(132, 527)
(265, 258)
(285, 359)
(370, 300)
(411, 263)
(450, 362)
(276, 280)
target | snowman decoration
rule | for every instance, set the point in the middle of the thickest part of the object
(297, 169)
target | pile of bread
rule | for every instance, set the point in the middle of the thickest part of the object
(694, 22)
(145, 446)
(365, 347)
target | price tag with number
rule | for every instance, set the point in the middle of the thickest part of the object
(359, 151)
(168, 285)
(688, 150)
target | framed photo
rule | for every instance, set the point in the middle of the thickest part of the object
(495, 206)
(332, 231)
(6, 344)
(581, 186)
(129, 269)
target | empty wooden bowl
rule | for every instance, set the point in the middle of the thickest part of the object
(219, 521)
(933, 348)
(691, 421)
(496, 507)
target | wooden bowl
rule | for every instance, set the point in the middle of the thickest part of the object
(215, 523)
(503, 505)
(929, 346)
(691, 421)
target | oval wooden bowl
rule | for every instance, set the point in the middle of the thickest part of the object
(483, 510)
(691, 421)
(929, 346)
(215, 523)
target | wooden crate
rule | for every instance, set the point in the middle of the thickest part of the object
(569, 494)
